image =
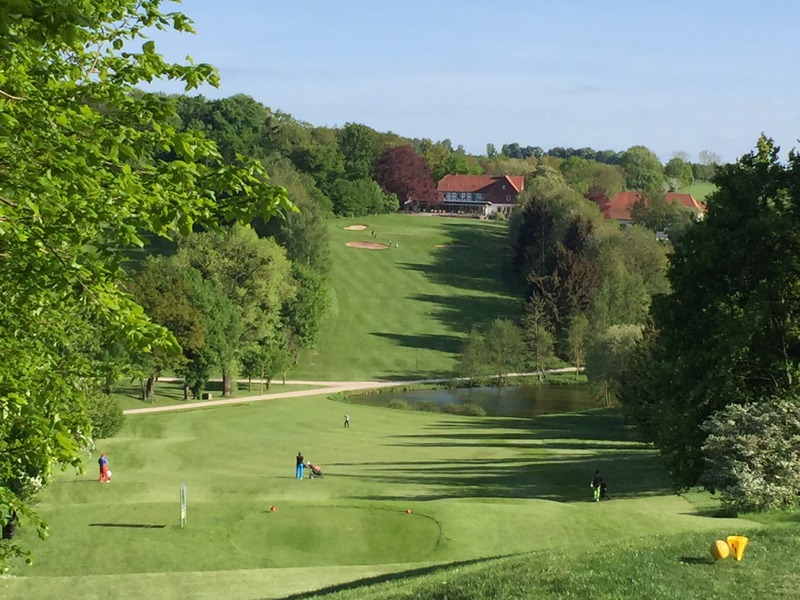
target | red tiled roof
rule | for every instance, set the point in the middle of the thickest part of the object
(476, 183)
(619, 207)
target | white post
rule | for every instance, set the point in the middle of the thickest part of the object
(183, 504)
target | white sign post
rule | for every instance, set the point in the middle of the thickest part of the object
(183, 504)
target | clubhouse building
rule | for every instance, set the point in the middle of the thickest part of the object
(480, 195)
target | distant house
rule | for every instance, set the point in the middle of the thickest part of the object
(619, 207)
(480, 194)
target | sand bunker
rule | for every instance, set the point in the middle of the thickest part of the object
(449, 246)
(356, 227)
(367, 245)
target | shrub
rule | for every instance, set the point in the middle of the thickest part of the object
(428, 407)
(106, 416)
(468, 410)
(752, 455)
(398, 404)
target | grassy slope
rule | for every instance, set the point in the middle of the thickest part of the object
(657, 568)
(699, 189)
(473, 486)
(401, 313)
(478, 488)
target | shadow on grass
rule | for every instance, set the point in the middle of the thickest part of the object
(442, 343)
(129, 525)
(554, 458)
(496, 291)
(695, 560)
(546, 477)
(462, 263)
(172, 391)
(478, 311)
(370, 581)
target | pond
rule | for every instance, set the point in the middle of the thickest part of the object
(511, 401)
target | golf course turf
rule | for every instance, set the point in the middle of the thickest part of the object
(403, 492)
(476, 488)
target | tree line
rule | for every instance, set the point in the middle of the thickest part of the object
(355, 170)
(589, 284)
(696, 337)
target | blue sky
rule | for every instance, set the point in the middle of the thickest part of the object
(671, 75)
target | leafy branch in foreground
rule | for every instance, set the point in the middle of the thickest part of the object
(88, 165)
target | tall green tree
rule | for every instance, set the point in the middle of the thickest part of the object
(165, 294)
(729, 333)
(608, 358)
(362, 197)
(237, 124)
(570, 277)
(538, 336)
(224, 327)
(577, 340)
(678, 172)
(304, 312)
(472, 361)
(81, 178)
(643, 170)
(360, 148)
(504, 349)
(254, 274)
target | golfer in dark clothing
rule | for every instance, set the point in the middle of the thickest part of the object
(597, 485)
(300, 466)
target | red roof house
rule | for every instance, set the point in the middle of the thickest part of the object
(619, 207)
(482, 194)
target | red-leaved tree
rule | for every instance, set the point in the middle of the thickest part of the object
(400, 170)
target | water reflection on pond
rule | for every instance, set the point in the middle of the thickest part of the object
(514, 401)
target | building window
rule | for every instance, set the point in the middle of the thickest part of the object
(508, 197)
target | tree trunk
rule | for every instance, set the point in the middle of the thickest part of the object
(227, 382)
(150, 389)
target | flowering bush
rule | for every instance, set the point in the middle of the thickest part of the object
(752, 455)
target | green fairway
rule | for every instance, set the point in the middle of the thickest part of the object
(404, 492)
(476, 487)
(401, 313)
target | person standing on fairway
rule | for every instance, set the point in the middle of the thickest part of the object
(103, 463)
(596, 485)
(347, 420)
(301, 465)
